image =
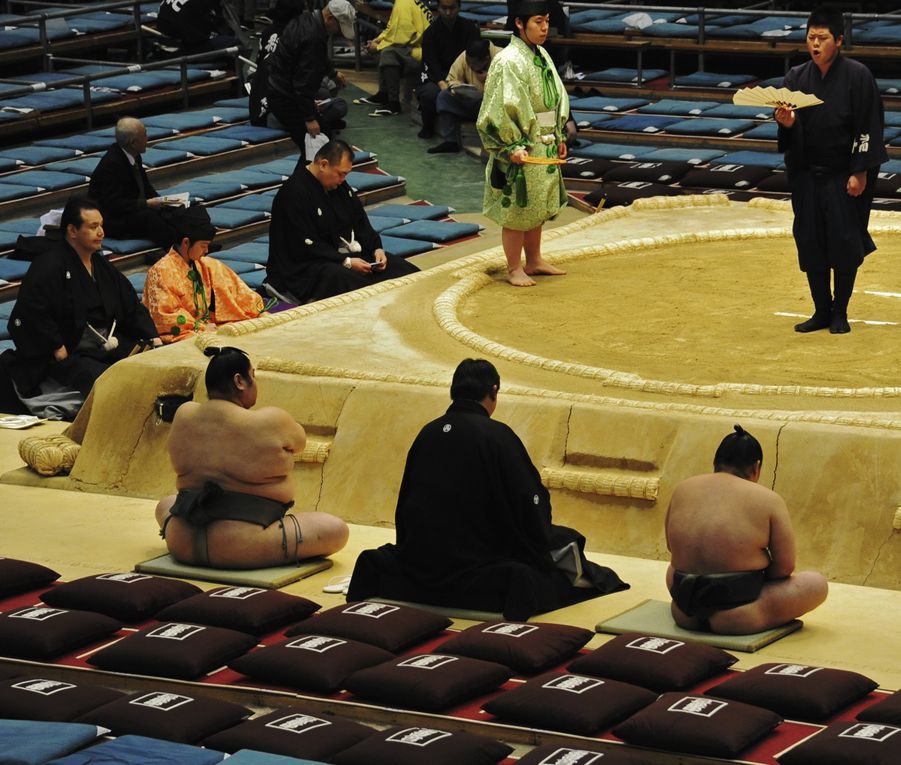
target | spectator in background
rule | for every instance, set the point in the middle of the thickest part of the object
(198, 25)
(444, 40)
(130, 206)
(298, 66)
(462, 99)
(400, 52)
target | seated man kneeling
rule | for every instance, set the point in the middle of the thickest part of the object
(233, 467)
(733, 549)
(474, 520)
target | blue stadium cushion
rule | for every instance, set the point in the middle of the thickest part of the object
(641, 123)
(892, 119)
(181, 122)
(137, 281)
(14, 38)
(768, 131)
(252, 252)
(227, 114)
(26, 226)
(257, 202)
(692, 156)
(892, 166)
(252, 757)
(883, 35)
(238, 103)
(709, 126)
(369, 181)
(86, 143)
(714, 80)
(10, 191)
(678, 107)
(279, 167)
(46, 101)
(404, 248)
(8, 164)
(768, 27)
(413, 212)
(434, 231)
(39, 155)
(771, 82)
(92, 23)
(362, 156)
(142, 750)
(10, 116)
(6, 309)
(888, 87)
(7, 345)
(889, 134)
(159, 157)
(13, 270)
(84, 166)
(733, 112)
(254, 279)
(612, 150)
(604, 104)
(668, 29)
(127, 246)
(200, 145)
(224, 217)
(27, 742)
(205, 190)
(153, 133)
(46, 180)
(250, 133)
(620, 74)
(248, 177)
(582, 16)
(590, 119)
(381, 223)
(758, 158)
(239, 266)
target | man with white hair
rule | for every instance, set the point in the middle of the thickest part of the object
(299, 64)
(130, 206)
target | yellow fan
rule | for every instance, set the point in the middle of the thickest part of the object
(778, 98)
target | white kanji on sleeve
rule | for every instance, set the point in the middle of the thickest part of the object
(861, 144)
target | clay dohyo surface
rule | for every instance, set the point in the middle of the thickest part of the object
(700, 312)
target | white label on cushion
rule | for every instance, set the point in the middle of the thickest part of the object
(655, 644)
(571, 757)
(316, 643)
(124, 578)
(727, 168)
(372, 610)
(417, 736)
(44, 687)
(695, 705)
(573, 683)
(297, 723)
(237, 593)
(429, 661)
(510, 630)
(869, 732)
(792, 670)
(175, 631)
(165, 702)
(37, 613)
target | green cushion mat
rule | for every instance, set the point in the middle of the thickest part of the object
(653, 617)
(272, 578)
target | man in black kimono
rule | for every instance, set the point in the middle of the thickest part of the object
(320, 241)
(75, 314)
(444, 39)
(130, 206)
(832, 154)
(474, 520)
(199, 25)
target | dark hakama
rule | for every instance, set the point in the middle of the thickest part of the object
(827, 144)
(474, 527)
(305, 235)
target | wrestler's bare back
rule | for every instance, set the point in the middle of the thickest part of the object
(245, 450)
(718, 522)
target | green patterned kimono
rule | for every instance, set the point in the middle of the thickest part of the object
(525, 105)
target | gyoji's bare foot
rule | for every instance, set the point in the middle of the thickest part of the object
(541, 268)
(519, 278)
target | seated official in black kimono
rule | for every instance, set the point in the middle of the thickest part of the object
(320, 241)
(131, 207)
(474, 520)
(76, 314)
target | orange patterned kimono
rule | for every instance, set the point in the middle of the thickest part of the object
(180, 306)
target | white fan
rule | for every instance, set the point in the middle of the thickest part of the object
(776, 97)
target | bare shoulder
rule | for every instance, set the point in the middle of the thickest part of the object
(186, 414)
(272, 416)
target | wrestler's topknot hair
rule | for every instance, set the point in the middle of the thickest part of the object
(225, 363)
(738, 453)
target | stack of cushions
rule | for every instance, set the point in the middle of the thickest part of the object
(21, 576)
(796, 691)
(423, 746)
(293, 734)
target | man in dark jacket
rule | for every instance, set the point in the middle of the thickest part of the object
(299, 64)
(75, 314)
(321, 242)
(445, 39)
(473, 520)
(130, 206)
(198, 25)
